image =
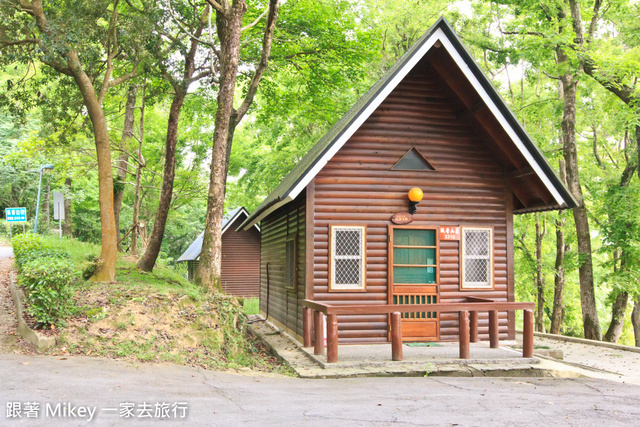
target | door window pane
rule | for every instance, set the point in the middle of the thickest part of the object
(413, 237)
(409, 275)
(418, 256)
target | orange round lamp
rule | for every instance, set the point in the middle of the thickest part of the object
(415, 194)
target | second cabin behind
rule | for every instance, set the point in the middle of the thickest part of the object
(338, 230)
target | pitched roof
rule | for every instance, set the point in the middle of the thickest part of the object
(193, 251)
(318, 156)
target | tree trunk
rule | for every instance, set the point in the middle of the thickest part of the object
(557, 314)
(123, 159)
(619, 304)
(590, 320)
(150, 255)
(618, 310)
(66, 226)
(209, 267)
(109, 251)
(47, 205)
(635, 321)
(136, 198)
(541, 232)
(558, 289)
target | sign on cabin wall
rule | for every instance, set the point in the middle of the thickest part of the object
(402, 218)
(449, 232)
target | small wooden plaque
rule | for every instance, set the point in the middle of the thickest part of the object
(402, 218)
(450, 232)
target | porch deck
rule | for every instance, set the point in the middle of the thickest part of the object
(441, 353)
(372, 360)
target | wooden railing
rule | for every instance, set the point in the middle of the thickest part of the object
(468, 323)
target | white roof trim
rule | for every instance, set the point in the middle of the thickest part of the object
(266, 212)
(375, 103)
(232, 220)
(501, 119)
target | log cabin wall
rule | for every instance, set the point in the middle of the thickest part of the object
(241, 261)
(358, 187)
(285, 224)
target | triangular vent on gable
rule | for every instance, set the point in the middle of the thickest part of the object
(413, 161)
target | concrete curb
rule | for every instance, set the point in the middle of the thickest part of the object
(308, 366)
(586, 341)
(40, 342)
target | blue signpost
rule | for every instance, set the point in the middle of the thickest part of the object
(16, 215)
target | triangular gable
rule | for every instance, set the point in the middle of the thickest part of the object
(440, 35)
(193, 251)
(412, 160)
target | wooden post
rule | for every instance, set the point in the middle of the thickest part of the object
(332, 338)
(318, 332)
(527, 334)
(473, 326)
(307, 326)
(396, 336)
(464, 334)
(493, 329)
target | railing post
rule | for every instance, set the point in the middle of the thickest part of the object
(527, 334)
(493, 329)
(307, 326)
(473, 326)
(396, 336)
(318, 332)
(464, 334)
(332, 338)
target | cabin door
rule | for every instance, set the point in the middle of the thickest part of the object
(413, 279)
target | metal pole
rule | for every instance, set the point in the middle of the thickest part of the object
(35, 226)
(59, 221)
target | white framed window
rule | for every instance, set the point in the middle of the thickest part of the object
(476, 258)
(347, 258)
(291, 276)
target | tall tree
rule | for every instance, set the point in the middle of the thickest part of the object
(229, 18)
(65, 37)
(190, 73)
(544, 29)
(559, 276)
(615, 79)
(122, 166)
(541, 233)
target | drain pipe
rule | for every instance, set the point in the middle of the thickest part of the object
(268, 289)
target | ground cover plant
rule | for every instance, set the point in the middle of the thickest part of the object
(154, 316)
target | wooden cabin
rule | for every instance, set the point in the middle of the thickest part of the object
(240, 256)
(337, 230)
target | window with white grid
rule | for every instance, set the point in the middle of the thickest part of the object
(477, 253)
(347, 258)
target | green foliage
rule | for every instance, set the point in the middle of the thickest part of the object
(251, 305)
(24, 245)
(46, 282)
(619, 206)
(91, 266)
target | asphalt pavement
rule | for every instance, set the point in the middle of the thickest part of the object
(6, 252)
(116, 393)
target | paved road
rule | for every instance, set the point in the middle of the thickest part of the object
(626, 364)
(6, 252)
(215, 398)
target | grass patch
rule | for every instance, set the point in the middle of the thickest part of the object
(251, 305)
(158, 316)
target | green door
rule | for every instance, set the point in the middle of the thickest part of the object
(413, 267)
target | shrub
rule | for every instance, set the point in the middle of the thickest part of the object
(24, 245)
(93, 263)
(46, 284)
(45, 253)
(12, 229)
